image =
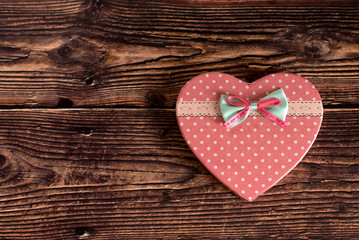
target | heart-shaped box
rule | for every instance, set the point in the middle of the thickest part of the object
(253, 156)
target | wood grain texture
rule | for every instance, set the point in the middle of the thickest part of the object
(121, 169)
(127, 173)
(140, 53)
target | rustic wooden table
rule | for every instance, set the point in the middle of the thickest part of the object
(89, 144)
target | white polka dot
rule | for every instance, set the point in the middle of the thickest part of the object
(249, 185)
(309, 141)
(256, 191)
(242, 142)
(283, 166)
(194, 87)
(255, 142)
(295, 129)
(266, 80)
(201, 118)
(254, 93)
(220, 75)
(236, 185)
(261, 135)
(248, 136)
(268, 129)
(208, 124)
(308, 129)
(249, 160)
(243, 192)
(250, 198)
(234, 87)
(263, 185)
(222, 148)
(201, 129)
(262, 172)
(314, 99)
(222, 173)
(268, 142)
(187, 93)
(201, 142)
(188, 118)
(227, 81)
(295, 154)
(235, 160)
(270, 179)
(280, 80)
(214, 93)
(222, 160)
(289, 160)
(215, 167)
(276, 173)
(207, 75)
(282, 154)
(255, 154)
(229, 179)
(235, 148)
(262, 160)
(300, 86)
(275, 160)
(188, 142)
(302, 135)
(214, 130)
(293, 80)
(293, 93)
(208, 148)
(229, 167)
(256, 167)
(315, 123)
(307, 93)
(248, 148)
(228, 154)
(220, 87)
(262, 148)
(207, 87)
(195, 136)
(235, 135)
(288, 135)
(208, 160)
(181, 123)
(213, 81)
(269, 154)
(247, 87)
(200, 81)
(269, 166)
(275, 148)
(242, 154)
(242, 167)
(221, 136)
(249, 173)
(248, 123)
(260, 86)
(215, 154)
(240, 93)
(202, 154)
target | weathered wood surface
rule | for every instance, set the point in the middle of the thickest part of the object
(121, 169)
(128, 53)
(129, 174)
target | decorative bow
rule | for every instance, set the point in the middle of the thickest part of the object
(274, 106)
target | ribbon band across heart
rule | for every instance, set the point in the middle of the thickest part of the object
(236, 109)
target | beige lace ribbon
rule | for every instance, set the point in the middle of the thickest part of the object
(212, 109)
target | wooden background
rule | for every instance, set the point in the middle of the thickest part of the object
(89, 144)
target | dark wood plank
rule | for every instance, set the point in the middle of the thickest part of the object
(140, 53)
(128, 174)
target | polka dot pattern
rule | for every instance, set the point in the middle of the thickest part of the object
(253, 156)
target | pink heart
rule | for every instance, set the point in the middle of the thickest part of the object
(253, 156)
